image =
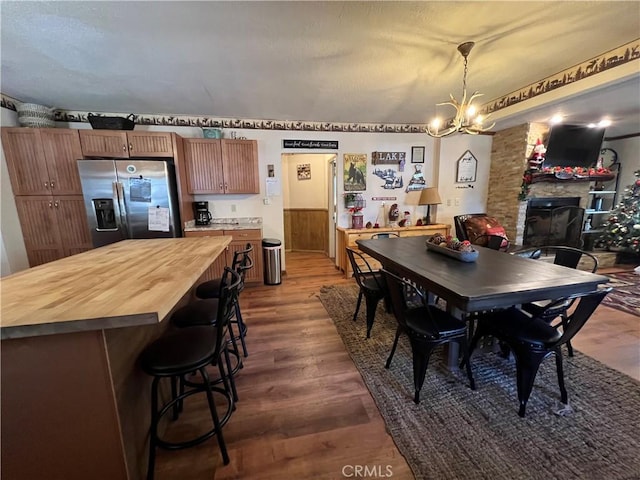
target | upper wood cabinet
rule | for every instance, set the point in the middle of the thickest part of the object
(126, 144)
(221, 166)
(42, 161)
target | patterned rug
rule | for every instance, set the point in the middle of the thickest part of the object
(457, 433)
(625, 295)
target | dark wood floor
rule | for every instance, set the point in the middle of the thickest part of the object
(304, 411)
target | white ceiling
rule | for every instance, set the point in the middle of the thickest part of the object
(353, 62)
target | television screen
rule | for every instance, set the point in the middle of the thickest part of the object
(573, 146)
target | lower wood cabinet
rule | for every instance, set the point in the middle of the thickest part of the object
(347, 237)
(240, 238)
(53, 227)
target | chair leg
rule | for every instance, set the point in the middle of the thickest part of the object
(527, 364)
(569, 349)
(421, 355)
(393, 348)
(234, 344)
(372, 304)
(241, 328)
(560, 370)
(355, 315)
(472, 346)
(465, 350)
(214, 416)
(564, 326)
(227, 377)
(174, 394)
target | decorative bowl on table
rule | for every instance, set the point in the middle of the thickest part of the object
(452, 247)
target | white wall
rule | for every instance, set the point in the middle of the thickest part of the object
(311, 193)
(270, 151)
(628, 150)
(13, 255)
(457, 200)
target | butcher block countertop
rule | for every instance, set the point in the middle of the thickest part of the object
(128, 283)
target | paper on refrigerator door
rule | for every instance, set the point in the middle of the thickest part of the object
(158, 219)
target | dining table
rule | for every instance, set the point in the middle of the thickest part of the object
(75, 403)
(494, 280)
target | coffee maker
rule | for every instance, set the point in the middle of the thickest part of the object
(201, 213)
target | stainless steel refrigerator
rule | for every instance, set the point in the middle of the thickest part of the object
(129, 199)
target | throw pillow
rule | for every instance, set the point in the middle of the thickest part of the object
(476, 227)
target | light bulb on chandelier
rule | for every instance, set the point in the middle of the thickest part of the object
(465, 119)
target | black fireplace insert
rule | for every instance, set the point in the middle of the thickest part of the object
(553, 221)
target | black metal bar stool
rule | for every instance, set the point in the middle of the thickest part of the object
(183, 352)
(202, 313)
(242, 263)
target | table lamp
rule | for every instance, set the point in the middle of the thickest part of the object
(429, 196)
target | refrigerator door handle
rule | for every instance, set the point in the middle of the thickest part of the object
(117, 191)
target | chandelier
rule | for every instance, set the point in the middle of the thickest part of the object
(466, 120)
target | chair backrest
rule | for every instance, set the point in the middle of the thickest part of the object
(246, 263)
(362, 270)
(229, 290)
(587, 304)
(494, 242)
(569, 257)
(459, 220)
(385, 235)
(400, 290)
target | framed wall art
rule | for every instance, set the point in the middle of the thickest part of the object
(304, 171)
(466, 168)
(417, 154)
(355, 172)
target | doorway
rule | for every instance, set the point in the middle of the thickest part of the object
(309, 202)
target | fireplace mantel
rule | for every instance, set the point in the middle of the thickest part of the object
(550, 177)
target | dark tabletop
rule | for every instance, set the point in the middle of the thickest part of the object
(495, 279)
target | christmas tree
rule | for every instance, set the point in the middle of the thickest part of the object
(622, 232)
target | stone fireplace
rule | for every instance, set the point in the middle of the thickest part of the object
(509, 158)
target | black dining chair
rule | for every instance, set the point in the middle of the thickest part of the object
(534, 338)
(385, 235)
(564, 256)
(371, 283)
(426, 326)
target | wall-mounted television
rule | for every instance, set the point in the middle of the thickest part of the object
(573, 146)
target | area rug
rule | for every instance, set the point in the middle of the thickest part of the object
(625, 295)
(457, 433)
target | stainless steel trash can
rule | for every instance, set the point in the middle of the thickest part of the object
(272, 250)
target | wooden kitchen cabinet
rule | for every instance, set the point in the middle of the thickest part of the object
(53, 227)
(126, 144)
(240, 238)
(42, 161)
(221, 166)
(347, 237)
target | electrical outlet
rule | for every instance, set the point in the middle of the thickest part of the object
(266, 201)
(448, 202)
(457, 202)
(233, 208)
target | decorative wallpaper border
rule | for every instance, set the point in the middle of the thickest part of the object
(608, 60)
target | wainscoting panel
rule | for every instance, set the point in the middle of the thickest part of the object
(306, 229)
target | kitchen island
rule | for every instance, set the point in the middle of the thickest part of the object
(74, 403)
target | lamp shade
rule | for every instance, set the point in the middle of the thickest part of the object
(429, 196)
